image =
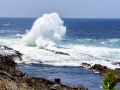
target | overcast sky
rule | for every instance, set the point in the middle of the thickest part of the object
(65, 8)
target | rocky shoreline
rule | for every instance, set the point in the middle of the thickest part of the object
(13, 79)
(103, 70)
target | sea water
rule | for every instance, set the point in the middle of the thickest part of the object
(93, 41)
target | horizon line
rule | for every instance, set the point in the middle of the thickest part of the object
(70, 17)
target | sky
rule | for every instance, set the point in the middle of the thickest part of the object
(65, 8)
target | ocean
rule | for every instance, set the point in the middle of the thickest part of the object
(93, 41)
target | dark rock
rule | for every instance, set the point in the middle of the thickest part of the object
(57, 80)
(117, 72)
(86, 64)
(56, 52)
(19, 74)
(104, 70)
(101, 69)
(8, 65)
(13, 79)
(116, 63)
(75, 88)
(62, 53)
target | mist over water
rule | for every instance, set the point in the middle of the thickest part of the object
(46, 31)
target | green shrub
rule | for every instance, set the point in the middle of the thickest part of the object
(109, 82)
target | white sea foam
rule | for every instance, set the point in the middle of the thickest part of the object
(8, 31)
(78, 54)
(19, 35)
(47, 30)
(6, 24)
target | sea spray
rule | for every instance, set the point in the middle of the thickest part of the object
(46, 31)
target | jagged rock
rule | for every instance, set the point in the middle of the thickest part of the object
(62, 53)
(103, 70)
(57, 80)
(19, 74)
(116, 63)
(86, 64)
(117, 72)
(8, 65)
(56, 52)
(13, 79)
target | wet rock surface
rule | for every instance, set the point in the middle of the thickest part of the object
(58, 52)
(102, 70)
(13, 79)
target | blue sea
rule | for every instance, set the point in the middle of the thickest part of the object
(93, 41)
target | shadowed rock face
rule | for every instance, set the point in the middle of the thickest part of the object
(8, 65)
(13, 79)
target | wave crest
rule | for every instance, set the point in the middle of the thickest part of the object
(46, 31)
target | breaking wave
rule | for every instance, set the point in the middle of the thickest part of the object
(46, 31)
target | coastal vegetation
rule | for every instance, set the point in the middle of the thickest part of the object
(110, 83)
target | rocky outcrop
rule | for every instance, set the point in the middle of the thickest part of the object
(116, 63)
(7, 65)
(58, 52)
(33, 83)
(13, 79)
(103, 70)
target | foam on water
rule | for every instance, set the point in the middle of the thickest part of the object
(6, 24)
(46, 31)
(7, 31)
(78, 54)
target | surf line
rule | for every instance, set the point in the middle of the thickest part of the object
(58, 52)
(94, 57)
